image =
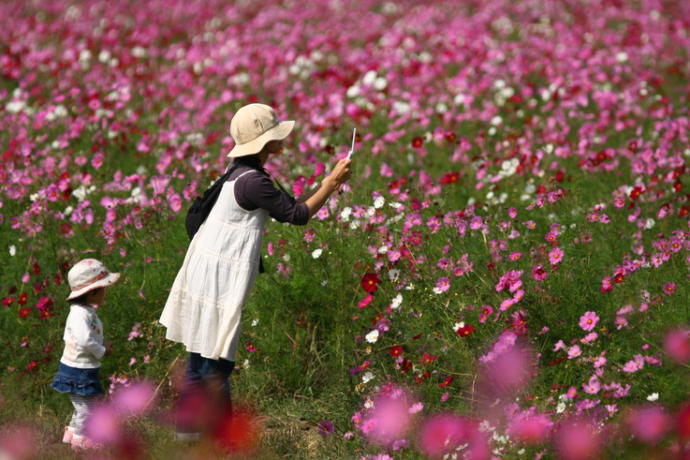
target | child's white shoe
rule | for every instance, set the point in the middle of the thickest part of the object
(68, 435)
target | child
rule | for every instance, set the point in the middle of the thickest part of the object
(78, 371)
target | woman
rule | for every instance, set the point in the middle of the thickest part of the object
(203, 310)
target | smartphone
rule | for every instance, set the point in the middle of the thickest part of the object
(352, 148)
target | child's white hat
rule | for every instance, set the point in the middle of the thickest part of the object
(87, 275)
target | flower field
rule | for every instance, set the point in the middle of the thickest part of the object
(504, 276)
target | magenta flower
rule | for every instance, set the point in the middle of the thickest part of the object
(538, 273)
(669, 288)
(588, 321)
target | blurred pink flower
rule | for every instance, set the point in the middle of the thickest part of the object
(577, 439)
(530, 429)
(677, 345)
(649, 424)
(442, 434)
(104, 425)
(390, 418)
(134, 399)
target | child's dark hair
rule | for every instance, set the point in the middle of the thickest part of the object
(84, 298)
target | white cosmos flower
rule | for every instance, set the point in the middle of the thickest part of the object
(397, 300)
(316, 253)
(373, 336)
(653, 397)
(394, 274)
(13, 250)
(255, 322)
(345, 214)
(368, 376)
(379, 202)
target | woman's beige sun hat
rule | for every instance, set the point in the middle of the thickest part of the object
(87, 275)
(255, 125)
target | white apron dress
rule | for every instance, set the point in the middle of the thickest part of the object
(203, 310)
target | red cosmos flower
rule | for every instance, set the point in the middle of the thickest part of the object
(406, 366)
(636, 192)
(7, 301)
(417, 142)
(31, 366)
(618, 278)
(446, 382)
(24, 312)
(427, 358)
(23, 297)
(37, 269)
(425, 375)
(450, 136)
(465, 330)
(450, 178)
(396, 351)
(370, 282)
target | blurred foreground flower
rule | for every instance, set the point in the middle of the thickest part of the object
(677, 345)
(18, 442)
(135, 399)
(648, 424)
(239, 431)
(448, 434)
(577, 439)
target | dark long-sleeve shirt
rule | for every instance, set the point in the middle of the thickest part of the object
(256, 190)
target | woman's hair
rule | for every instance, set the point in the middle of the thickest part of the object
(84, 298)
(252, 161)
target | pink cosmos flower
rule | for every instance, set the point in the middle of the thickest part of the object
(592, 386)
(556, 256)
(574, 352)
(589, 321)
(442, 285)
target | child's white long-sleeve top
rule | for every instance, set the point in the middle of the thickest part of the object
(83, 338)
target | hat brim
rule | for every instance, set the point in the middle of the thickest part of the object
(277, 133)
(107, 281)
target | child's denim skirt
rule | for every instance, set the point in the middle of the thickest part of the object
(82, 382)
